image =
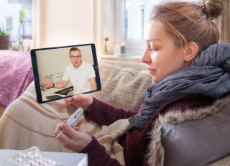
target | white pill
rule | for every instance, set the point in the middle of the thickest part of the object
(30, 162)
(48, 161)
(27, 165)
(36, 164)
(31, 156)
(14, 163)
(39, 161)
(23, 155)
(29, 153)
(9, 159)
(44, 164)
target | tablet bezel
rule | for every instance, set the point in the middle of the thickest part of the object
(36, 73)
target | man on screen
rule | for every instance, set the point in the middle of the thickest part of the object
(81, 74)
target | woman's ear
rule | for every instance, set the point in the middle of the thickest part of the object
(190, 51)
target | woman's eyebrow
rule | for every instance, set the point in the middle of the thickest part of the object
(148, 40)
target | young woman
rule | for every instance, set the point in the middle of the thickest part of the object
(189, 70)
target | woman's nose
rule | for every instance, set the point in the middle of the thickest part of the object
(146, 58)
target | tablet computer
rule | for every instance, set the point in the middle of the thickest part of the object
(61, 72)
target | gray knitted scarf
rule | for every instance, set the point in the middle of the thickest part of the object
(208, 74)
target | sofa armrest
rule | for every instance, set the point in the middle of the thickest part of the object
(194, 137)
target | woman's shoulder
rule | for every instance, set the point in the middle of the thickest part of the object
(193, 102)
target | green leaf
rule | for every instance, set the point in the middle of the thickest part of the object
(3, 32)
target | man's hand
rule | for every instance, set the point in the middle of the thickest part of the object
(47, 83)
(72, 139)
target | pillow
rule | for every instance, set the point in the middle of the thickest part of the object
(134, 65)
(194, 138)
(122, 87)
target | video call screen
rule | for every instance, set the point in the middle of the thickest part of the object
(62, 72)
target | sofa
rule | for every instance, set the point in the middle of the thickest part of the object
(188, 138)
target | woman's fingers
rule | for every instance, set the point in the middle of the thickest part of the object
(67, 142)
(68, 101)
(70, 131)
(64, 136)
(58, 129)
(76, 128)
(84, 97)
(73, 102)
(80, 100)
(71, 138)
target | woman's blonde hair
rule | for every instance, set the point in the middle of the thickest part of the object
(187, 22)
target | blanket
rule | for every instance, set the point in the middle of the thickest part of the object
(37, 123)
(108, 136)
(15, 75)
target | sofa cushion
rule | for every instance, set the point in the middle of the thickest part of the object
(193, 138)
(123, 86)
(136, 66)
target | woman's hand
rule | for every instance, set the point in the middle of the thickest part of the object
(72, 139)
(80, 100)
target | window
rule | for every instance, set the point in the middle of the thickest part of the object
(9, 19)
(131, 18)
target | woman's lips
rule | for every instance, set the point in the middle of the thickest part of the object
(152, 71)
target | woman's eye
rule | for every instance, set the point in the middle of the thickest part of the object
(153, 49)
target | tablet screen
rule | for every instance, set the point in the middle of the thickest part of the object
(61, 72)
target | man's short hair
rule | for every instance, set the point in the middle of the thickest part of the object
(74, 49)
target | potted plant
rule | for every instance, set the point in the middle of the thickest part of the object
(4, 39)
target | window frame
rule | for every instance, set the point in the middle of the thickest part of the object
(135, 48)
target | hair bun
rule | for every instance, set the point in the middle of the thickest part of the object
(214, 8)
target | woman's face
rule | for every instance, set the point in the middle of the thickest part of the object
(161, 55)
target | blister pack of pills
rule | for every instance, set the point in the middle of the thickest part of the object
(30, 157)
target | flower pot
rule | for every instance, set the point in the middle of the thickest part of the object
(4, 42)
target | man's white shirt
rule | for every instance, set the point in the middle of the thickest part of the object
(79, 77)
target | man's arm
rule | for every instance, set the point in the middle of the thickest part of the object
(93, 83)
(61, 84)
(49, 84)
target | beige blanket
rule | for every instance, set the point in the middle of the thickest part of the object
(26, 123)
(107, 136)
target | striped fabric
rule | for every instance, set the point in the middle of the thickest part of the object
(107, 136)
(47, 116)
(33, 123)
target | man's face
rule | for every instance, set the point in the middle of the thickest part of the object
(75, 57)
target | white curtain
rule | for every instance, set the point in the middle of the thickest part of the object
(223, 23)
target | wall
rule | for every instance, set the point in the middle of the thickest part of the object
(66, 22)
(55, 60)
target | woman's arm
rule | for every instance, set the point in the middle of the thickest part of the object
(105, 114)
(97, 154)
(98, 111)
(82, 143)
